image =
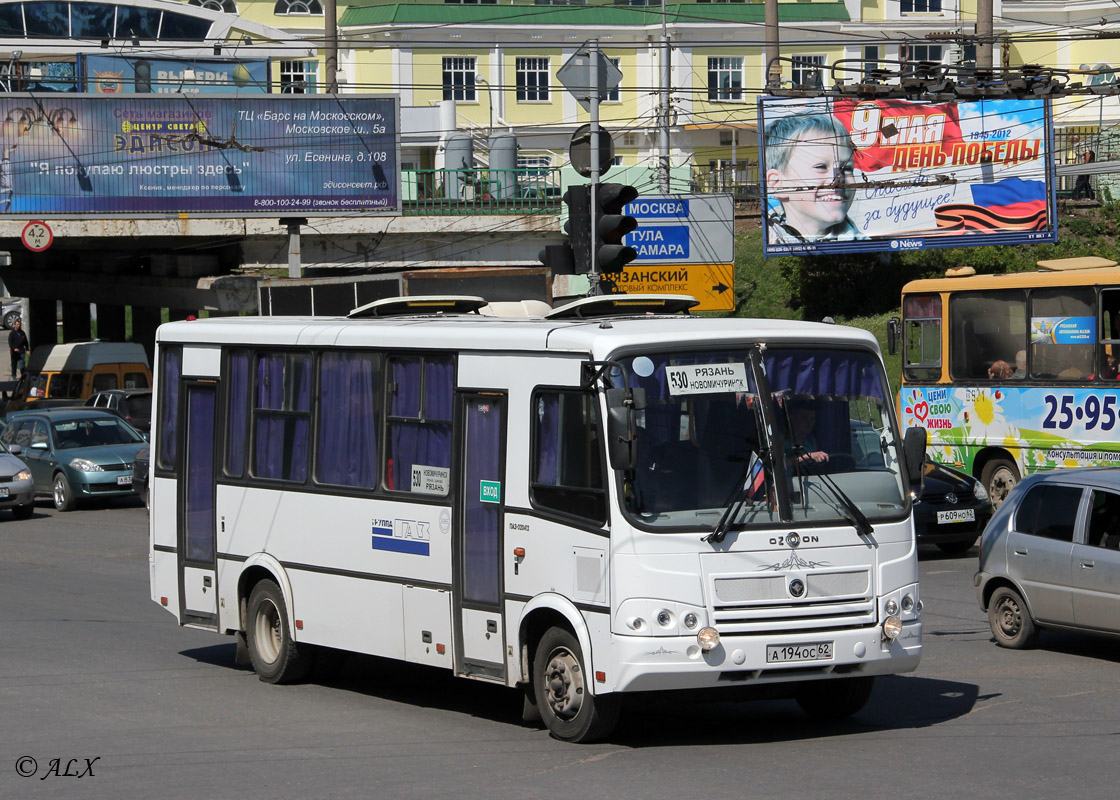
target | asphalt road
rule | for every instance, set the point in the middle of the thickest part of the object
(95, 675)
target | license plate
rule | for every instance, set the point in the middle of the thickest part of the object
(124, 480)
(3, 491)
(787, 653)
(956, 515)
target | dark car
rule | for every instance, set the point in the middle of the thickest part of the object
(1050, 557)
(140, 475)
(134, 406)
(953, 509)
(75, 453)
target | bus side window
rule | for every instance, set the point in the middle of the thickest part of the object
(419, 397)
(1109, 332)
(986, 328)
(347, 419)
(282, 416)
(922, 332)
(1063, 333)
(567, 468)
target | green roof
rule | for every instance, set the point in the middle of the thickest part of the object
(598, 16)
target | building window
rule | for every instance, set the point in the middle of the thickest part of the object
(808, 71)
(920, 6)
(458, 79)
(532, 79)
(871, 57)
(298, 77)
(228, 6)
(921, 52)
(725, 78)
(298, 7)
(613, 95)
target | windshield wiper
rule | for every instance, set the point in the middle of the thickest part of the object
(855, 516)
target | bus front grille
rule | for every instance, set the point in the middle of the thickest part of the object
(828, 600)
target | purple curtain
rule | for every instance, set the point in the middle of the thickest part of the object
(346, 449)
(421, 432)
(169, 406)
(282, 420)
(200, 475)
(823, 372)
(481, 520)
(237, 430)
(548, 439)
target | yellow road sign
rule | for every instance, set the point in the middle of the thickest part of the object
(712, 284)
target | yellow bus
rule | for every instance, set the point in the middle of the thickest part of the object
(1014, 374)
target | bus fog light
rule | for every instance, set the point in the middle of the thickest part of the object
(690, 620)
(707, 638)
(892, 627)
(907, 603)
(891, 607)
(664, 619)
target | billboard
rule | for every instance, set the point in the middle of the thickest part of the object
(120, 75)
(849, 175)
(204, 156)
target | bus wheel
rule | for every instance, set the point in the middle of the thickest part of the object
(837, 698)
(999, 478)
(561, 686)
(275, 655)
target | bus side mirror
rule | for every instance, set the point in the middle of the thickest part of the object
(622, 441)
(914, 456)
(892, 336)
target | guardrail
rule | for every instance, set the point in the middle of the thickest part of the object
(452, 192)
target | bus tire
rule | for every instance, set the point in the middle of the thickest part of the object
(999, 478)
(563, 692)
(837, 698)
(1010, 620)
(276, 657)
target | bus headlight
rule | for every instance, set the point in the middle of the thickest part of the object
(907, 603)
(891, 607)
(892, 627)
(707, 638)
(690, 620)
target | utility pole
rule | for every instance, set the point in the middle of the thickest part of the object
(663, 106)
(330, 25)
(773, 68)
(593, 109)
(984, 35)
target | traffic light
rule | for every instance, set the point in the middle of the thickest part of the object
(558, 258)
(611, 255)
(578, 226)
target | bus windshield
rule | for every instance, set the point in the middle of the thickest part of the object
(802, 437)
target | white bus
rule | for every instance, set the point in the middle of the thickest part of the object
(582, 504)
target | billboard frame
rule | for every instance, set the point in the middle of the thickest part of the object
(920, 240)
(37, 101)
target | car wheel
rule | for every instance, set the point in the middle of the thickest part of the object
(837, 698)
(999, 478)
(63, 494)
(562, 687)
(10, 319)
(955, 548)
(23, 512)
(1010, 620)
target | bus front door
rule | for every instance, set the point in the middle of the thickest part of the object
(197, 547)
(480, 636)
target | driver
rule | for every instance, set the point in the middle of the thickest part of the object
(802, 447)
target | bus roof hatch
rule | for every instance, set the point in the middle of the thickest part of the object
(418, 305)
(614, 305)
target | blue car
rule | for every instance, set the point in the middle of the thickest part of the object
(75, 453)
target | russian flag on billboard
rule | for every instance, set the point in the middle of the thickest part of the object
(1008, 205)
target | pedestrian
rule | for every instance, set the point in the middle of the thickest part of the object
(1083, 187)
(18, 346)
